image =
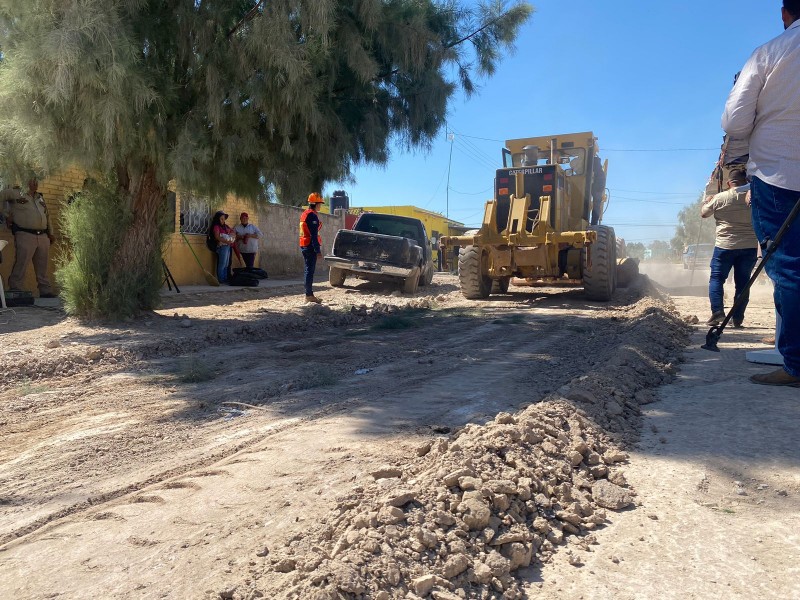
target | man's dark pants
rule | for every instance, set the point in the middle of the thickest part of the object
(771, 206)
(742, 262)
(249, 259)
(310, 260)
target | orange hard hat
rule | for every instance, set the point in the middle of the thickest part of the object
(315, 198)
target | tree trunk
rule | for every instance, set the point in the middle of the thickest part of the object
(136, 266)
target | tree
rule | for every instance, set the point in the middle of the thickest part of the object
(240, 96)
(692, 229)
(636, 250)
(659, 249)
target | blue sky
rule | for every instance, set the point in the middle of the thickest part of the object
(641, 75)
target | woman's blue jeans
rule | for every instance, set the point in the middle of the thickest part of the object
(742, 262)
(771, 206)
(223, 262)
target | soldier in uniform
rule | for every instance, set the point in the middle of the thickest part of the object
(29, 222)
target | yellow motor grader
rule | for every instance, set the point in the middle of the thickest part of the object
(537, 227)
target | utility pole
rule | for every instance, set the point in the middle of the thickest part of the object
(450, 137)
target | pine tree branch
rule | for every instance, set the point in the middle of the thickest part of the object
(452, 45)
(476, 32)
(250, 14)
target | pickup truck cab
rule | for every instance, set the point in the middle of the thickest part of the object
(382, 247)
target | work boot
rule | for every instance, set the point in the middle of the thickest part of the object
(716, 318)
(779, 377)
(314, 299)
(738, 324)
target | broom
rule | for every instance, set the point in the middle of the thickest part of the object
(210, 279)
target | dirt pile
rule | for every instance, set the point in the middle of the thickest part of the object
(477, 508)
(471, 512)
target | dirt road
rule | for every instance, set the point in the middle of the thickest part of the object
(209, 449)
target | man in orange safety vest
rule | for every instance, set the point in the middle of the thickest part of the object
(311, 242)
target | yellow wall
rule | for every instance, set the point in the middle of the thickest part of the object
(178, 256)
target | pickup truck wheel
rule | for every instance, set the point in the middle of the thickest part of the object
(500, 286)
(475, 284)
(427, 275)
(411, 283)
(336, 277)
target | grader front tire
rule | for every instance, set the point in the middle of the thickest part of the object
(500, 286)
(472, 273)
(600, 273)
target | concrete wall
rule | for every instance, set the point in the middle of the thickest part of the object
(280, 249)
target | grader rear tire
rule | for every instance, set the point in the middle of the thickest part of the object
(475, 284)
(336, 277)
(600, 277)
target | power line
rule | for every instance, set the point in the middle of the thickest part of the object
(472, 193)
(474, 158)
(653, 192)
(657, 149)
(649, 201)
(475, 137)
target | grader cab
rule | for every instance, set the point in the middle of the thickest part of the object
(537, 227)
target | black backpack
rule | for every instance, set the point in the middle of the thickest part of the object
(254, 271)
(243, 279)
(211, 240)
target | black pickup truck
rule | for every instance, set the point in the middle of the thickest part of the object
(382, 247)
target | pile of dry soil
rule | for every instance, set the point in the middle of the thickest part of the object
(464, 517)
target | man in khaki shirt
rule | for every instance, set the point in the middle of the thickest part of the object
(28, 220)
(735, 246)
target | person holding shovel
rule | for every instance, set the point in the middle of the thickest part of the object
(763, 106)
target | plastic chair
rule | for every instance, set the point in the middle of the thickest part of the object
(3, 244)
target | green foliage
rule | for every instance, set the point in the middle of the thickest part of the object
(692, 229)
(242, 96)
(659, 249)
(636, 250)
(26, 388)
(194, 370)
(91, 283)
(319, 377)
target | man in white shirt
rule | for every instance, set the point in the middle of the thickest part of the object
(247, 236)
(764, 106)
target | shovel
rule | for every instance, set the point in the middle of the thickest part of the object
(210, 279)
(713, 335)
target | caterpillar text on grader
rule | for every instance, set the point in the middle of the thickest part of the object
(537, 227)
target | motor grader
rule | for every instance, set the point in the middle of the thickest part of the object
(537, 227)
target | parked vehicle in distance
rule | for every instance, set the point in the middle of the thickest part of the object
(382, 247)
(698, 255)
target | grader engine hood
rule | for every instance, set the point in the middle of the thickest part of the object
(537, 181)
